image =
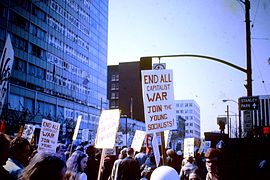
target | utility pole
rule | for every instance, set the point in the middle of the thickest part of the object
(248, 50)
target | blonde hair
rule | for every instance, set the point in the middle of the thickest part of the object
(73, 165)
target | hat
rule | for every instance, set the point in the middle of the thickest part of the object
(179, 153)
(212, 152)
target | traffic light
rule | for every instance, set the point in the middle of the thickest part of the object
(145, 63)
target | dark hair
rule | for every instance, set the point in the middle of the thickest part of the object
(130, 151)
(212, 152)
(4, 142)
(17, 144)
(4, 145)
(44, 165)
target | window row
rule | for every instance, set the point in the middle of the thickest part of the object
(186, 111)
(67, 32)
(74, 114)
(184, 105)
(64, 82)
(114, 86)
(55, 42)
(115, 95)
(115, 77)
(38, 32)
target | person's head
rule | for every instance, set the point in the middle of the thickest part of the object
(212, 158)
(79, 148)
(90, 150)
(77, 162)
(20, 150)
(44, 165)
(123, 153)
(170, 153)
(4, 146)
(60, 151)
(130, 152)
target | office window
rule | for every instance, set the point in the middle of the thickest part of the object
(29, 105)
(19, 65)
(38, 13)
(18, 20)
(36, 31)
(37, 51)
(19, 42)
(16, 102)
(36, 71)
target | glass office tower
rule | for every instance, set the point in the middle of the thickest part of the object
(60, 67)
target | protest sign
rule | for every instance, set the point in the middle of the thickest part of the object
(158, 98)
(138, 140)
(77, 127)
(85, 135)
(167, 137)
(28, 131)
(48, 136)
(7, 59)
(156, 149)
(188, 147)
(120, 139)
(107, 128)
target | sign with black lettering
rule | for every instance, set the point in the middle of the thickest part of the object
(249, 103)
(158, 98)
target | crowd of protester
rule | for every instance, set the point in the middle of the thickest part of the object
(19, 160)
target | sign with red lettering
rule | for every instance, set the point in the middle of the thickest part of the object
(48, 136)
(158, 98)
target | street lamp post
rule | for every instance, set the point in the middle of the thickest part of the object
(239, 115)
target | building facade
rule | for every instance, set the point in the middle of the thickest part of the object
(60, 66)
(125, 89)
(190, 111)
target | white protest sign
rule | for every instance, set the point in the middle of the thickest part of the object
(156, 149)
(188, 147)
(85, 135)
(138, 140)
(7, 59)
(28, 131)
(107, 128)
(48, 136)
(167, 137)
(158, 98)
(77, 127)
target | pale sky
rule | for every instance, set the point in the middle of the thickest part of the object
(214, 28)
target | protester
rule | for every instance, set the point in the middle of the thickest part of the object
(92, 167)
(122, 155)
(150, 166)
(141, 156)
(44, 165)
(76, 165)
(213, 164)
(4, 146)
(173, 160)
(19, 155)
(187, 168)
(60, 151)
(129, 168)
